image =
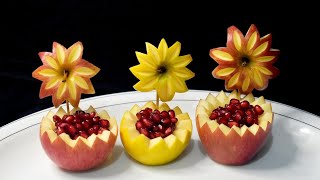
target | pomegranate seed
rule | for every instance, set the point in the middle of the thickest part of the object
(149, 110)
(95, 127)
(60, 130)
(239, 112)
(69, 119)
(84, 135)
(100, 131)
(92, 114)
(164, 114)
(96, 119)
(158, 134)
(156, 111)
(85, 125)
(90, 131)
(245, 104)
(87, 116)
(144, 113)
(214, 115)
(147, 123)
(168, 131)
(227, 115)
(223, 111)
(56, 118)
(139, 125)
(237, 117)
(71, 130)
(151, 135)
(161, 128)
(258, 109)
(155, 128)
(249, 120)
(138, 115)
(144, 132)
(234, 101)
(156, 117)
(64, 125)
(174, 120)
(228, 107)
(166, 121)
(78, 126)
(249, 112)
(64, 117)
(171, 113)
(75, 137)
(232, 123)
(223, 120)
(237, 106)
(77, 120)
(104, 123)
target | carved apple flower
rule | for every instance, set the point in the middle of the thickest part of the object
(64, 74)
(163, 70)
(246, 63)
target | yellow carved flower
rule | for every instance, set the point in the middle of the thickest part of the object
(163, 70)
(246, 63)
(65, 74)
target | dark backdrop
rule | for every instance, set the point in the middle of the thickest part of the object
(112, 32)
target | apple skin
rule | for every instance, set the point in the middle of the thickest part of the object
(78, 158)
(80, 154)
(231, 149)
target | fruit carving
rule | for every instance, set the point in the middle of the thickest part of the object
(234, 127)
(75, 140)
(155, 134)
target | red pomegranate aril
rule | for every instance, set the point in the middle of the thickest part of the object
(234, 101)
(161, 128)
(149, 110)
(84, 135)
(147, 123)
(92, 114)
(258, 109)
(166, 121)
(144, 113)
(75, 137)
(245, 104)
(156, 111)
(168, 131)
(233, 123)
(237, 113)
(85, 125)
(155, 128)
(89, 121)
(164, 114)
(79, 126)
(151, 135)
(95, 127)
(63, 125)
(139, 125)
(174, 120)
(77, 120)
(158, 134)
(96, 119)
(100, 131)
(171, 113)
(138, 115)
(156, 117)
(144, 132)
(69, 119)
(56, 118)
(71, 130)
(104, 123)
(214, 115)
(87, 116)
(60, 130)
(64, 117)
(90, 131)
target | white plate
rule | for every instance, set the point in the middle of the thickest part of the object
(292, 152)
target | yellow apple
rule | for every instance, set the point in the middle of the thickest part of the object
(236, 145)
(159, 150)
(79, 154)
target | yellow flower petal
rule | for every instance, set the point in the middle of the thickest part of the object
(72, 89)
(80, 82)
(75, 52)
(61, 90)
(162, 50)
(264, 70)
(257, 78)
(252, 40)
(174, 51)
(51, 62)
(181, 61)
(141, 71)
(152, 51)
(222, 55)
(260, 49)
(179, 85)
(84, 71)
(225, 71)
(146, 84)
(165, 88)
(246, 83)
(234, 79)
(48, 72)
(237, 40)
(60, 52)
(183, 73)
(265, 58)
(145, 59)
(52, 82)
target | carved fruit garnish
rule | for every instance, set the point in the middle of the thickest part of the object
(226, 142)
(153, 123)
(77, 152)
(237, 113)
(80, 124)
(165, 136)
(246, 63)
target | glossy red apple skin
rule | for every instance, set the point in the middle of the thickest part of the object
(231, 149)
(78, 158)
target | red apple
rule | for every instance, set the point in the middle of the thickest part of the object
(79, 154)
(236, 145)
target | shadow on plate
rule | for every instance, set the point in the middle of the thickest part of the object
(108, 168)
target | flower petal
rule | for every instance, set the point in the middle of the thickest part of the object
(141, 71)
(245, 83)
(265, 58)
(174, 51)
(183, 73)
(179, 85)
(221, 54)
(61, 90)
(60, 52)
(75, 52)
(145, 59)
(260, 49)
(165, 88)
(225, 71)
(51, 62)
(79, 81)
(48, 73)
(181, 61)
(84, 71)
(152, 51)
(72, 89)
(52, 82)
(235, 39)
(252, 37)
(258, 78)
(264, 70)
(162, 49)
(146, 84)
(233, 80)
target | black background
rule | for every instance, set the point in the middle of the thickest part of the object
(112, 31)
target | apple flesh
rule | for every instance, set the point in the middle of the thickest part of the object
(232, 146)
(80, 154)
